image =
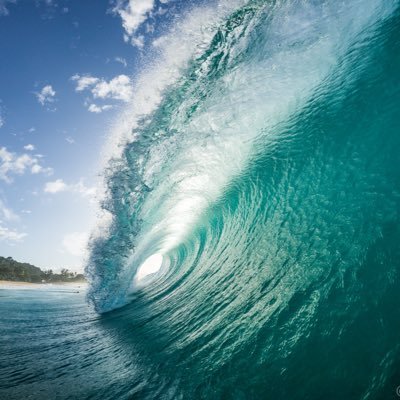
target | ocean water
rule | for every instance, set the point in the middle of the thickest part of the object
(249, 243)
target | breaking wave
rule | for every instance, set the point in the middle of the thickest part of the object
(252, 203)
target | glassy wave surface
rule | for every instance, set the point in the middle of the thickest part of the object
(250, 247)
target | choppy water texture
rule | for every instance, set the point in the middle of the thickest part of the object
(260, 162)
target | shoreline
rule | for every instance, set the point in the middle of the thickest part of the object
(31, 285)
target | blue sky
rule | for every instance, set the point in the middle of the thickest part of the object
(66, 71)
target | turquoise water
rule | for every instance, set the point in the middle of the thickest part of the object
(259, 168)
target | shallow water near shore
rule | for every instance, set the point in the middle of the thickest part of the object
(53, 345)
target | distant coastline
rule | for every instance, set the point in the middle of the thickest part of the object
(12, 271)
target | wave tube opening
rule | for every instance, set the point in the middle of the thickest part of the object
(149, 267)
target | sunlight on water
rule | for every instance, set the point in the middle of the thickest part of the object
(150, 266)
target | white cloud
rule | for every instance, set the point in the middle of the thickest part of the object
(6, 234)
(121, 60)
(2, 120)
(59, 186)
(14, 164)
(94, 108)
(70, 140)
(118, 88)
(138, 41)
(3, 6)
(76, 243)
(84, 82)
(55, 186)
(46, 95)
(29, 147)
(86, 191)
(10, 235)
(133, 14)
(36, 169)
(6, 213)
(31, 130)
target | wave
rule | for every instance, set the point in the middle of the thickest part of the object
(219, 99)
(253, 201)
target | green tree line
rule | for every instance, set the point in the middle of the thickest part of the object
(11, 270)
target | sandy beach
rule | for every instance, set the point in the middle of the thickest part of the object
(12, 283)
(30, 285)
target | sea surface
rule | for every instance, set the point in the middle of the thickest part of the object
(249, 244)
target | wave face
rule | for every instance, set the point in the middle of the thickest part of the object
(252, 243)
